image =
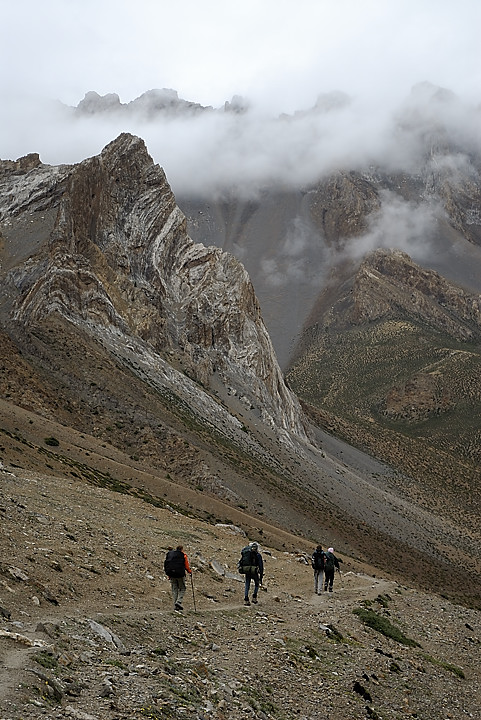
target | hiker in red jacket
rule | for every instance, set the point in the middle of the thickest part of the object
(175, 566)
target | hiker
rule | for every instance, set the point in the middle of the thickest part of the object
(175, 566)
(317, 563)
(252, 565)
(331, 562)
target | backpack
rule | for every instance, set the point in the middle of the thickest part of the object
(329, 562)
(174, 564)
(248, 561)
(318, 559)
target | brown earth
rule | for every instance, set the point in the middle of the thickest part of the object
(88, 632)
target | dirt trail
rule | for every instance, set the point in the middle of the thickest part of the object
(71, 553)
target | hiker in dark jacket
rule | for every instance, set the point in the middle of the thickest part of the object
(317, 562)
(255, 573)
(331, 562)
(176, 565)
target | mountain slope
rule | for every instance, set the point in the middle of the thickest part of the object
(144, 355)
(392, 362)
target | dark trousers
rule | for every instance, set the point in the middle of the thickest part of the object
(255, 578)
(328, 578)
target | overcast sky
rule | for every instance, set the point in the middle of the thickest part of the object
(278, 54)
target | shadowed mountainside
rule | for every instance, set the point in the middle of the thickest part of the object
(391, 363)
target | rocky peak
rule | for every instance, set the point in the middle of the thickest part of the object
(20, 166)
(119, 258)
(341, 204)
(148, 105)
(389, 283)
(93, 103)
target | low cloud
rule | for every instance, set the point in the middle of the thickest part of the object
(298, 258)
(214, 151)
(399, 224)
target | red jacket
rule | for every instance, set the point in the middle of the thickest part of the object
(186, 563)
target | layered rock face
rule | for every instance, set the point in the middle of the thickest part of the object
(389, 284)
(120, 264)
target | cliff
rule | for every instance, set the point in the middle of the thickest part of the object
(117, 261)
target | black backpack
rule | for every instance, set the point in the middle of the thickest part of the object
(318, 558)
(174, 564)
(248, 561)
(330, 561)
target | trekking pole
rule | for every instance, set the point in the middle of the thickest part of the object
(340, 576)
(193, 594)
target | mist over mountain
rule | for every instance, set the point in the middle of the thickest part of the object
(240, 299)
(415, 152)
(240, 147)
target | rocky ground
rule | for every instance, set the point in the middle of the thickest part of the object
(87, 629)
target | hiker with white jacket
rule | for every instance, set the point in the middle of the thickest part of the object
(331, 562)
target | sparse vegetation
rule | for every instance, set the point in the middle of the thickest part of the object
(52, 441)
(384, 626)
(259, 701)
(46, 660)
(449, 667)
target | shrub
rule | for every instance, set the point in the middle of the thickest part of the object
(446, 666)
(384, 626)
(46, 660)
(52, 441)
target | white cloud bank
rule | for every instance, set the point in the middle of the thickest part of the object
(213, 150)
(280, 55)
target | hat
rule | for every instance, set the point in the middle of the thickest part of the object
(330, 550)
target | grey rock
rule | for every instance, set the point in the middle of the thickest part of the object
(107, 635)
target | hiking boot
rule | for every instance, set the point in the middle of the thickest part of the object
(330, 589)
(254, 600)
(178, 606)
(247, 601)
